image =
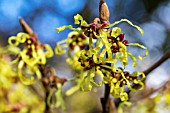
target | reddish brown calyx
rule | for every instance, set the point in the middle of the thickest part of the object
(121, 37)
(125, 42)
(118, 76)
(115, 48)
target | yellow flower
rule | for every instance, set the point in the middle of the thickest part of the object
(30, 57)
(105, 47)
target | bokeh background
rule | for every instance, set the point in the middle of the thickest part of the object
(153, 16)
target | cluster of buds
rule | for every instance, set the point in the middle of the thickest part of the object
(114, 41)
(127, 75)
(77, 40)
(87, 61)
(94, 29)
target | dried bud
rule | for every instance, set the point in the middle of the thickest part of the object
(121, 37)
(93, 26)
(26, 28)
(115, 48)
(104, 11)
(125, 42)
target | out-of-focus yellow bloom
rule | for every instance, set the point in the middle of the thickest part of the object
(30, 57)
(13, 94)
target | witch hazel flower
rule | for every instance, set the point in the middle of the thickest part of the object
(32, 54)
(106, 46)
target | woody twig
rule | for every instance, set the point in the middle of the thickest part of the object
(104, 17)
(49, 77)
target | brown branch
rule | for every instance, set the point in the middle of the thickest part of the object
(159, 62)
(49, 78)
(147, 92)
(25, 27)
(105, 99)
(165, 57)
(104, 14)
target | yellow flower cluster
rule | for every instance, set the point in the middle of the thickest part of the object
(32, 55)
(105, 47)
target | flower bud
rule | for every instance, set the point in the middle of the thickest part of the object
(125, 42)
(121, 37)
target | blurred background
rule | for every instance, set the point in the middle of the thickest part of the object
(153, 16)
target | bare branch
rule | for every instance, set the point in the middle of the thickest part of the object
(26, 28)
(105, 100)
(49, 78)
(159, 62)
(148, 92)
(104, 17)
